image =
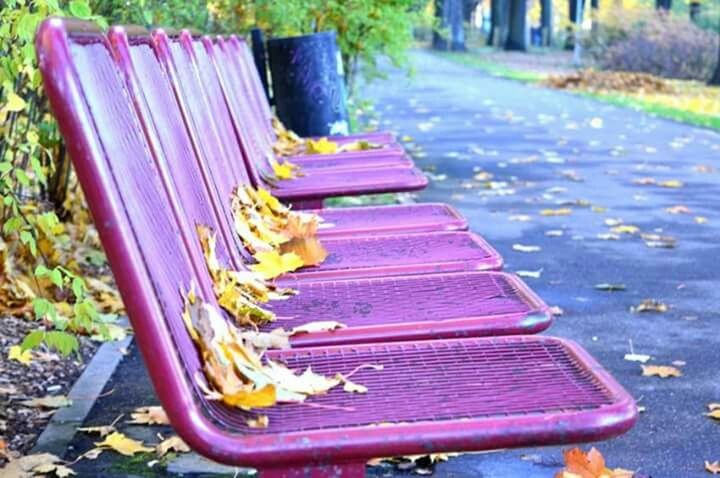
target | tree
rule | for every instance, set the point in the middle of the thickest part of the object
(450, 14)
(518, 33)
(663, 5)
(499, 22)
(546, 21)
(574, 24)
(715, 80)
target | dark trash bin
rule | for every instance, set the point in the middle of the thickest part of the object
(308, 84)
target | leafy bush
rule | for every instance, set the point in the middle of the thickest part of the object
(366, 29)
(655, 43)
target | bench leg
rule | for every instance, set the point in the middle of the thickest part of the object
(310, 204)
(353, 470)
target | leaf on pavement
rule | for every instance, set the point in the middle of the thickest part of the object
(633, 357)
(18, 354)
(625, 229)
(154, 415)
(24, 467)
(524, 248)
(713, 467)
(122, 444)
(57, 469)
(678, 210)
(579, 464)
(714, 411)
(650, 305)
(532, 274)
(318, 326)
(671, 183)
(564, 211)
(658, 241)
(610, 287)
(662, 371)
(103, 430)
(174, 444)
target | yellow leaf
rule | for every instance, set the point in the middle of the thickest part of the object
(247, 400)
(308, 249)
(154, 415)
(662, 371)
(284, 170)
(16, 353)
(14, 103)
(672, 183)
(625, 229)
(701, 220)
(174, 444)
(320, 146)
(122, 444)
(556, 212)
(271, 264)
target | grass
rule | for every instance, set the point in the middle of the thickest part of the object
(681, 107)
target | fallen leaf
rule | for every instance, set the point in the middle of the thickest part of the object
(8, 390)
(678, 210)
(658, 241)
(520, 218)
(662, 371)
(524, 248)
(50, 401)
(18, 354)
(625, 229)
(532, 274)
(14, 103)
(596, 123)
(154, 415)
(103, 430)
(261, 421)
(174, 444)
(320, 146)
(608, 236)
(610, 287)
(61, 471)
(23, 467)
(272, 264)
(713, 467)
(671, 183)
(701, 220)
(565, 211)
(308, 249)
(122, 444)
(579, 464)
(714, 411)
(556, 311)
(318, 326)
(554, 233)
(650, 305)
(637, 357)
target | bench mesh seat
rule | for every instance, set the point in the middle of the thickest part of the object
(440, 305)
(518, 391)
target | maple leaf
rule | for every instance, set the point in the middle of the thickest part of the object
(283, 171)
(122, 444)
(662, 371)
(174, 444)
(309, 249)
(153, 415)
(579, 464)
(272, 264)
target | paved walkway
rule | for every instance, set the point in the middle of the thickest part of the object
(550, 150)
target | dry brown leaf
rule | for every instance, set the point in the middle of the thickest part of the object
(50, 401)
(174, 444)
(309, 249)
(318, 326)
(154, 415)
(61, 471)
(662, 371)
(650, 305)
(713, 467)
(24, 466)
(261, 421)
(579, 464)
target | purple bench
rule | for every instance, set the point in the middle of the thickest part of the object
(515, 391)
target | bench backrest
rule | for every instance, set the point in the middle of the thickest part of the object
(132, 211)
(177, 151)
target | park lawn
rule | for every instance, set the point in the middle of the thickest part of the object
(694, 103)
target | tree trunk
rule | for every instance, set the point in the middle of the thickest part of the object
(518, 32)
(715, 80)
(546, 23)
(572, 15)
(663, 4)
(695, 8)
(499, 15)
(450, 13)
